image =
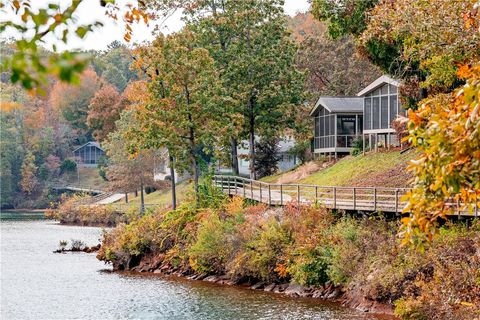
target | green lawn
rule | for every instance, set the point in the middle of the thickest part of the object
(163, 197)
(350, 170)
(386, 168)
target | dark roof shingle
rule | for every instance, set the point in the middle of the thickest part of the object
(339, 104)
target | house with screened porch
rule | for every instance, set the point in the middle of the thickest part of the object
(381, 105)
(340, 122)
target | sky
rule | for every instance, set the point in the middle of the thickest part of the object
(90, 11)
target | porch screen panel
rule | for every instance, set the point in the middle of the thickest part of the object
(327, 126)
(368, 114)
(393, 108)
(376, 112)
(384, 112)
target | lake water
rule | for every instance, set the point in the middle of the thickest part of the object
(39, 284)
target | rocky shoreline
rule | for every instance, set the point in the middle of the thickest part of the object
(354, 298)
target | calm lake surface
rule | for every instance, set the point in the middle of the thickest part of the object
(38, 284)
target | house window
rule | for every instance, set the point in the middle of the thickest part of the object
(345, 125)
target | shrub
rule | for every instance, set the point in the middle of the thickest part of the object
(264, 254)
(102, 167)
(209, 195)
(71, 211)
(77, 245)
(357, 147)
(68, 165)
(213, 246)
(307, 263)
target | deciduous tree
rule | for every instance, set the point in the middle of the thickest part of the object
(446, 131)
(73, 101)
(430, 35)
(183, 111)
(126, 172)
(34, 25)
(104, 110)
(29, 170)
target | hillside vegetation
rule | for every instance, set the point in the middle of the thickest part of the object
(86, 177)
(381, 169)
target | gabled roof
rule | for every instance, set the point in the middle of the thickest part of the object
(339, 104)
(377, 83)
(90, 143)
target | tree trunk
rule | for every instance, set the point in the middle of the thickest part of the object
(251, 133)
(136, 193)
(174, 191)
(195, 174)
(235, 168)
(126, 197)
(193, 156)
(142, 199)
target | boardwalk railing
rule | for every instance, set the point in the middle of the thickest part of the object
(78, 188)
(346, 198)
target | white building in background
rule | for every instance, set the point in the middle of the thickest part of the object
(287, 160)
(161, 171)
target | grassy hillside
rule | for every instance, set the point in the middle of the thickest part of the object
(86, 177)
(162, 197)
(387, 169)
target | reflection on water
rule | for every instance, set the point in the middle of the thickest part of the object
(38, 284)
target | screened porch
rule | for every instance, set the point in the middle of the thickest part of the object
(336, 132)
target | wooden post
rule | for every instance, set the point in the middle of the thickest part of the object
(221, 183)
(354, 198)
(243, 186)
(228, 180)
(260, 192)
(281, 195)
(375, 199)
(316, 194)
(251, 189)
(334, 198)
(298, 193)
(396, 200)
(269, 196)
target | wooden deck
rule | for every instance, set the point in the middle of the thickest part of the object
(76, 188)
(367, 199)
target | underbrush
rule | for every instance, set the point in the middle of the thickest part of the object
(69, 212)
(309, 246)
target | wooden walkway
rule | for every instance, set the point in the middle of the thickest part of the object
(75, 188)
(366, 199)
(346, 198)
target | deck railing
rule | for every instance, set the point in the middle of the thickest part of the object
(368, 199)
(334, 197)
